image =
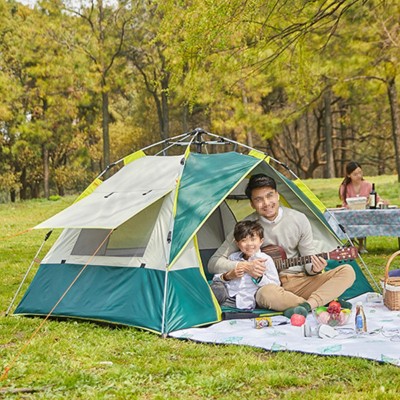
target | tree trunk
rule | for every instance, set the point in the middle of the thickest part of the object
(341, 171)
(105, 127)
(24, 185)
(165, 105)
(394, 112)
(250, 138)
(46, 173)
(329, 167)
(13, 195)
(249, 134)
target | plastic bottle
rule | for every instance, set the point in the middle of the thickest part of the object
(372, 201)
(360, 320)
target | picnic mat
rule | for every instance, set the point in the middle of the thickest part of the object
(381, 342)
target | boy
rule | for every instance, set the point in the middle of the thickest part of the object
(237, 288)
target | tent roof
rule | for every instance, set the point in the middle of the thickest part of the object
(207, 179)
(123, 195)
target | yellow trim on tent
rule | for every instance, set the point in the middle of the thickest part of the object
(260, 154)
(283, 202)
(134, 156)
(90, 189)
(306, 190)
(178, 183)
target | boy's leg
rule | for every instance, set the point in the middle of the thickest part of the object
(276, 298)
(220, 292)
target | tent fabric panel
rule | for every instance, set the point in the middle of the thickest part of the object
(214, 231)
(134, 156)
(129, 191)
(145, 173)
(90, 189)
(62, 247)
(190, 302)
(152, 223)
(188, 258)
(99, 211)
(157, 249)
(360, 285)
(205, 182)
(129, 296)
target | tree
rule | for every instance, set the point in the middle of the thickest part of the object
(102, 38)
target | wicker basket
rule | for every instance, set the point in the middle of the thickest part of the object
(391, 286)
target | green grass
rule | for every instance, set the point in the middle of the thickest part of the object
(81, 360)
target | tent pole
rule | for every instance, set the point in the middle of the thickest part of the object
(143, 149)
(341, 227)
(27, 272)
(164, 307)
(171, 145)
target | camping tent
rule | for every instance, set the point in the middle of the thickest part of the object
(134, 248)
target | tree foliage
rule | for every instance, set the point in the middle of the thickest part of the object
(86, 82)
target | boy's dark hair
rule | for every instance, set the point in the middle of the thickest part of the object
(248, 228)
(259, 181)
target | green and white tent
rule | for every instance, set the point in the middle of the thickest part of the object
(134, 247)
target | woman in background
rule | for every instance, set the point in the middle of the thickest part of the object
(354, 185)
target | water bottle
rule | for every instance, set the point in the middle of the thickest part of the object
(360, 320)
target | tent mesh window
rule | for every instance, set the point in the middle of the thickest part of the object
(128, 240)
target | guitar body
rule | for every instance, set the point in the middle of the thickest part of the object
(275, 252)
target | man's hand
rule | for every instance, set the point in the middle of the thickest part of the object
(318, 264)
(255, 268)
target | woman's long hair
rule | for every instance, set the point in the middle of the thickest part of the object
(350, 167)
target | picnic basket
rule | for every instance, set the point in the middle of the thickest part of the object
(391, 286)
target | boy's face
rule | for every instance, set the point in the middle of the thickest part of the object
(249, 245)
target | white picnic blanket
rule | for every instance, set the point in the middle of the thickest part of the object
(380, 343)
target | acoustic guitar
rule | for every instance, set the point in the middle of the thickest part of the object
(282, 262)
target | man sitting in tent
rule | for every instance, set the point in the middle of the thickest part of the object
(304, 287)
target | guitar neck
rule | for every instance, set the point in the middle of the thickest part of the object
(291, 262)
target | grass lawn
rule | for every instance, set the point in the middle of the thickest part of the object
(81, 360)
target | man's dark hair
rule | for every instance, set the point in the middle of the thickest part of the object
(259, 181)
(248, 228)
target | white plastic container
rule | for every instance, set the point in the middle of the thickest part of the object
(357, 203)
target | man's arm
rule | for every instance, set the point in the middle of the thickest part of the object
(306, 247)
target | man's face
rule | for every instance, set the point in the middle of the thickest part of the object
(265, 201)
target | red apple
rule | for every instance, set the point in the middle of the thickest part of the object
(334, 307)
(297, 320)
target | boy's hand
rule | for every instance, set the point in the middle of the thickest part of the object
(237, 272)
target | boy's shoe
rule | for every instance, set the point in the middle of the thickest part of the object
(345, 304)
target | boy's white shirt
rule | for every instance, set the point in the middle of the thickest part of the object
(244, 289)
